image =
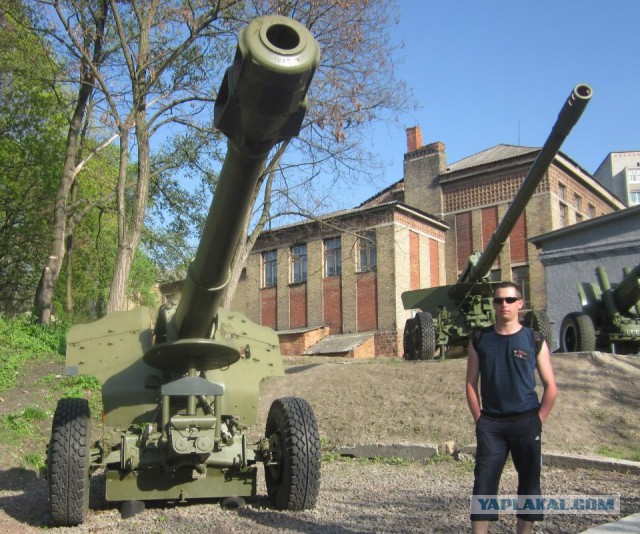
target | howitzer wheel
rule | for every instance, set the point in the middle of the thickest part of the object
(68, 462)
(407, 345)
(293, 474)
(538, 320)
(577, 333)
(423, 338)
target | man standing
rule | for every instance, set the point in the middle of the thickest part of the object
(506, 411)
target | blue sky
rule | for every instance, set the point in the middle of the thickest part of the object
(498, 71)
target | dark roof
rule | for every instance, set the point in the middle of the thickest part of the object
(491, 155)
(357, 211)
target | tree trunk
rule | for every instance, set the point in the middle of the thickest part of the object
(51, 270)
(49, 278)
(130, 231)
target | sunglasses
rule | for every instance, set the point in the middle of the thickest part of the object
(508, 300)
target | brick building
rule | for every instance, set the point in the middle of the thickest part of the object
(344, 274)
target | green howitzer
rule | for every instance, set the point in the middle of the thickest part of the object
(182, 392)
(448, 314)
(610, 316)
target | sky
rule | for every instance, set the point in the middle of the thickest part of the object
(488, 72)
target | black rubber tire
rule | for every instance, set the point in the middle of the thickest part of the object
(68, 462)
(407, 346)
(577, 333)
(423, 338)
(293, 478)
(538, 320)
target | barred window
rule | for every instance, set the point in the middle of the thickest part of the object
(367, 251)
(298, 263)
(332, 257)
(520, 277)
(269, 268)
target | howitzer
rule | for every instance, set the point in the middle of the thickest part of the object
(183, 391)
(610, 316)
(448, 314)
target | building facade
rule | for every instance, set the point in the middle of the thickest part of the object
(620, 173)
(347, 271)
(344, 271)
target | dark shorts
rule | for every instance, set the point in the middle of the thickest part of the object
(495, 439)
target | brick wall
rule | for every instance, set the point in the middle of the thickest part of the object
(366, 302)
(414, 260)
(269, 307)
(298, 305)
(332, 303)
(463, 234)
(434, 262)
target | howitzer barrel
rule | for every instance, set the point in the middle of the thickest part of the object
(262, 101)
(627, 293)
(567, 118)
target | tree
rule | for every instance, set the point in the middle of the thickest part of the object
(92, 20)
(165, 63)
(31, 143)
(355, 85)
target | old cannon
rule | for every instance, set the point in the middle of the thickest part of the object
(182, 392)
(610, 316)
(448, 314)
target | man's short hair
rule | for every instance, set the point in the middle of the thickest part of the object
(505, 285)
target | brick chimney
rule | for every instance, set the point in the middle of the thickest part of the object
(414, 138)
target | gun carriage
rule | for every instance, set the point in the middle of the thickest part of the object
(184, 391)
(448, 314)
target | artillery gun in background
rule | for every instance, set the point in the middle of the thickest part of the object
(610, 316)
(448, 314)
(184, 392)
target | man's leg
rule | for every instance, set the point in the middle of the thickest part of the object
(525, 441)
(491, 455)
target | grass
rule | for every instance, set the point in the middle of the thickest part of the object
(22, 341)
(15, 428)
(619, 454)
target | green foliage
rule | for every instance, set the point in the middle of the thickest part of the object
(77, 386)
(31, 148)
(24, 340)
(35, 461)
(14, 427)
(619, 454)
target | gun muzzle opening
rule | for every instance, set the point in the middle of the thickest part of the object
(582, 90)
(283, 39)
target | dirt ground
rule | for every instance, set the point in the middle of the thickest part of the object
(383, 401)
(395, 401)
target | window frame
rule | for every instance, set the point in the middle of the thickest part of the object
(270, 268)
(298, 263)
(367, 250)
(332, 256)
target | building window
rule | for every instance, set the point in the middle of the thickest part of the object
(495, 275)
(579, 217)
(634, 197)
(367, 254)
(298, 264)
(520, 277)
(269, 268)
(563, 215)
(562, 191)
(592, 211)
(332, 257)
(577, 202)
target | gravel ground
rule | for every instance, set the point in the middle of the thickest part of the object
(355, 497)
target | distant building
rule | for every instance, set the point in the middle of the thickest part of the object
(620, 173)
(347, 271)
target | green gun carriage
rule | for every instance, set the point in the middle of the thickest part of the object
(184, 388)
(448, 314)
